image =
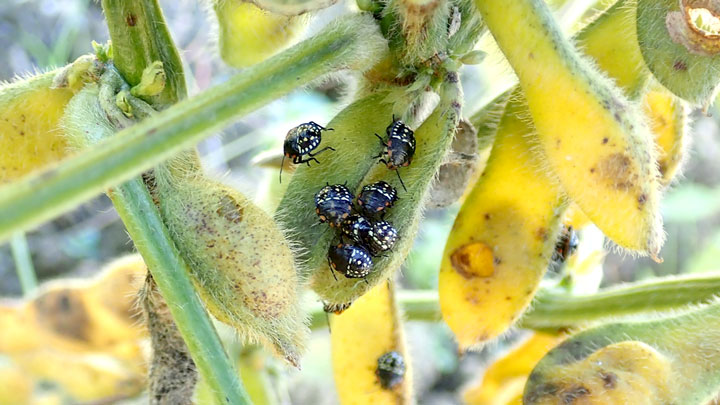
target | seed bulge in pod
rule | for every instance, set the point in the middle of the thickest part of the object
(241, 263)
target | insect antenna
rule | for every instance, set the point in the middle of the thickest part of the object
(400, 178)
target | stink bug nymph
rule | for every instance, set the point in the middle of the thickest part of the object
(356, 228)
(381, 237)
(301, 141)
(333, 204)
(376, 198)
(399, 148)
(390, 369)
(352, 261)
(566, 245)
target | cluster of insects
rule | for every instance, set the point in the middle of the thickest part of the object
(368, 233)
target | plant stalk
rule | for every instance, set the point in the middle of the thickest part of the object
(23, 263)
(140, 37)
(555, 310)
(44, 195)
(142, 221)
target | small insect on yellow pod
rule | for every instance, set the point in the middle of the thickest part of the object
(502, 240)
(370, 361)
(592, 137)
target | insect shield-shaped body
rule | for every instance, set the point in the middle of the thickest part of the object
(356, 228)
(333, 204)
(376, 198)
(381, 237)
(390, 369)
(566, 245)
(301, 141)
(352, 261)
(399, 148)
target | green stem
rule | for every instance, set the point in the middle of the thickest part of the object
(553, 310)
(44, 195)
(142, 221)
(23, 263)
(139, 37)
(556, 310)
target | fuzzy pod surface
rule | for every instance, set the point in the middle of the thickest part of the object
(241, 264)
(671, 360)
(593, 138)
(682, 56)
(30, 110)
(353, 163)
(248, 34)
(500, 245)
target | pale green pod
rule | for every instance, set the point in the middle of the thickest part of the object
(353, 164)
(673, 360)
(682, 57)
(241, 264)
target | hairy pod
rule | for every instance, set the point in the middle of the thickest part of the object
(669, 120)
(683, 56)
(501, 242)
(592, 137)
(241, 263)
(84, 377)
(355, 357)
(30, 110)
(504, 380)
(353, 163)
(72, 316)
(666, 360)
(249, 34)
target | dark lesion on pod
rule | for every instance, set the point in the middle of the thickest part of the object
(230, 209)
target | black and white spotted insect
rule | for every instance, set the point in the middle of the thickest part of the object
(566, 245)
(302, 140)
(381, 237)
(352, 261)
(376, 198)
(333, 204)
(356, 227)
(399, 148)
(390, 369)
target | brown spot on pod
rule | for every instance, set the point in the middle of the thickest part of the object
(473, 260)
(618, 171)
(230, 209)
(64, 312)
